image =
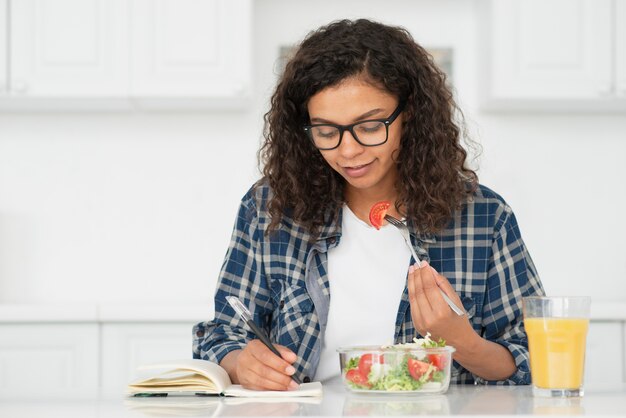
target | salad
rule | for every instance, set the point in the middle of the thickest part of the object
(420, 365)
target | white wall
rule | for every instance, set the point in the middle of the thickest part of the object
(138, 207)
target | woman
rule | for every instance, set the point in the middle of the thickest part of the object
(362, 115)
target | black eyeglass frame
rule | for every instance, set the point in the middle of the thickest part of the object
(342, 128)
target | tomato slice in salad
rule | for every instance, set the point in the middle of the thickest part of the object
(378, 212)
(366, 361)
(355, 376)
(417, 368)
(437, 360)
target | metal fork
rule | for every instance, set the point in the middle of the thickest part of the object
(407, 239)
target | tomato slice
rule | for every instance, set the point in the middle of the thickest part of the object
(437, 360)
(356, 377)
(417, 368)
(378, 212)
(366, 361)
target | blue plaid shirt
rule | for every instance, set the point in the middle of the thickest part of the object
(282, 277)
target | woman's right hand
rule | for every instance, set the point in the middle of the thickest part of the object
(256, 367)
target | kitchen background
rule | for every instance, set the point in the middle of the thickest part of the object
(122, 214)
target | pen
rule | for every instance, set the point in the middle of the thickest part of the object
(246, 317)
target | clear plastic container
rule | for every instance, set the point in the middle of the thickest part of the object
(396, 369)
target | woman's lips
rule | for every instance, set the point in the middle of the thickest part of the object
(357, 170)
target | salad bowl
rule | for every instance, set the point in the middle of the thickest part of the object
(419, 367)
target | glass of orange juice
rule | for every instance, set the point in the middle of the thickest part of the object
(557, 335)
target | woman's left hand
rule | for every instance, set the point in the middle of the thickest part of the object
(429, 310)
(431, 313)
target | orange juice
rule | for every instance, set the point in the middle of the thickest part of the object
(557, 351)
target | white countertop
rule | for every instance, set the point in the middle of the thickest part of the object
(459, 400)
(138, 312)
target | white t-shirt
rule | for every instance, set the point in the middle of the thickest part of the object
(367, 275)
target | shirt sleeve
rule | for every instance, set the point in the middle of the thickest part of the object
(241, 276)
(511, 276)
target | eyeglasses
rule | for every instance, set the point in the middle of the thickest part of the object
(369, 133)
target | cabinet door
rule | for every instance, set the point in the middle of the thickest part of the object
(550, 49)
(620, 47)
(126, 346)
(604, 359)
(4, 5)
(51, 360)
(624, 352)
(193, 49)
(69, 48)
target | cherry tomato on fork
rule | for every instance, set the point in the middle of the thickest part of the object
(378, 212)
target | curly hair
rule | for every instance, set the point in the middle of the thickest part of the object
(433, 179)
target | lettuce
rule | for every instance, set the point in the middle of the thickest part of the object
(353, 363)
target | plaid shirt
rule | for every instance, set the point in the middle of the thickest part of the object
(282, 278)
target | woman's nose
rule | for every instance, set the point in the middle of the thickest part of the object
(349, 147)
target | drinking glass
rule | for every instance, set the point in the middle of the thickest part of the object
(557, 335)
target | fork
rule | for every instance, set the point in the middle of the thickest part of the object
(407, 239)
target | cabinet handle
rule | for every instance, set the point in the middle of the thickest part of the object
(20, 87)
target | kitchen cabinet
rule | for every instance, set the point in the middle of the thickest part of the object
(125, 346)
(3, 46)
(553, 55)
(53, 360)
(620, 47)
(194, 49)
(67, 49)
(123, 54)
(605, 357)
(623, 352)
(79, 352)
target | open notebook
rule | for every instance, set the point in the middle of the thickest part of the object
(191, 376)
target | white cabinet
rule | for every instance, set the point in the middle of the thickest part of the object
(620, 47)
(88, 350)
(604, 360)
(98, 357)
(77, 54)
(60, 359)
(191, 48)
(624, 351)
(553, 54)
(125, 346)
(68, 48)
(4, 8)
